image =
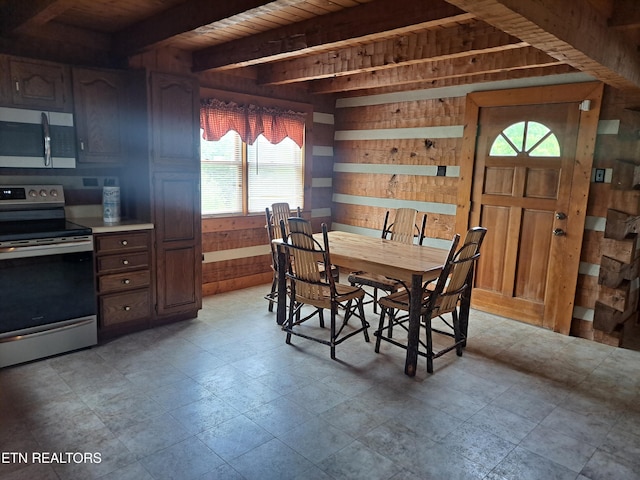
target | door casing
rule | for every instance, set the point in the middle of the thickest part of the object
(561, 313)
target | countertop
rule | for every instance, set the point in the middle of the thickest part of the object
(97, 225)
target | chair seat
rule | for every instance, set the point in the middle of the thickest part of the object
(400, 300)
(322, 296)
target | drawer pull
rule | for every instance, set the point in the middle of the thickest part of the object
(125, 262)
(126, 308)
(126, 281)
(124, 243)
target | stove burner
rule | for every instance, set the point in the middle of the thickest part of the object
(35, 212)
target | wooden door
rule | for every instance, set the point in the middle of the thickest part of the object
(525, 157)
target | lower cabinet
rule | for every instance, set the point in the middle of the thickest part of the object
(123, 281)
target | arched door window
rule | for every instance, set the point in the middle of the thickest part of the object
(526, 138)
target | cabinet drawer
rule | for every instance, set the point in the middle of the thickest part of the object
(123, 262)
(121, 242)
(123, 281)
(125, 307)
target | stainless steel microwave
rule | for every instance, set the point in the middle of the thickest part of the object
(36, 139)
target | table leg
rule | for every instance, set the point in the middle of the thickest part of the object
(281, 312)
(465, 305)
(413, 335)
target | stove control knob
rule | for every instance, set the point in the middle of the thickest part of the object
(33, 193)
(43, 193)
(53, 193)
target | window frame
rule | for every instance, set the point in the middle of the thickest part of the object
(307, 148)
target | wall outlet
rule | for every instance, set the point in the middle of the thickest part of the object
(599, 176)
(442, 171)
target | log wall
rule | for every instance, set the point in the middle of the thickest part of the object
(607, 298)
(387, 152)
(235, 248)
(402, 148)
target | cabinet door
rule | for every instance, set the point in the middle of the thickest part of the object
(99, 105)
(178, 242)
(5, 81)
(40, 85)
(175, 120)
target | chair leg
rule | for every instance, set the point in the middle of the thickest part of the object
(289, 321)
(457, 333)
(334, 312)
(347, 312)
(378, 333)
(274, 290)
(321, 317)
(364, 322)
(375, 300)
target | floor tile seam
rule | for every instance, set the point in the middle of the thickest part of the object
(140, 460)
(616, 455)
(513, 447)
(318, 462)
(578, 440)
(229, 461)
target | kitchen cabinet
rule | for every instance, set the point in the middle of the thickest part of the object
(5, 81)
(174, 169)
(178, 243)
(123, 281)
(100, 115)
(175, 121)
(40, 85)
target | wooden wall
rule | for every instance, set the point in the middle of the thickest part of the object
(388, 148)
(236, 250)
(381, 151)
(619, 141)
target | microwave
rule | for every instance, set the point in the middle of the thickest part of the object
(36, 139)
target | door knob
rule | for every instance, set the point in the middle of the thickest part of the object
(558, 232)
(561, 215)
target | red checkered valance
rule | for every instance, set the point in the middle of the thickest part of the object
(250, 121)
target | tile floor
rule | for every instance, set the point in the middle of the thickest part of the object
(223, 397)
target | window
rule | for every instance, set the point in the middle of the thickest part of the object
(242, 178)
(526, 138)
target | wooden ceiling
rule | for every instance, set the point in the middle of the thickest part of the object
(348, 46)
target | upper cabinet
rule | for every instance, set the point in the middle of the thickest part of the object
(175, 120)
(41, 85)
(100, 115)
(5, 81)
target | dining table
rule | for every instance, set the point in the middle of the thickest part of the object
(413, 265)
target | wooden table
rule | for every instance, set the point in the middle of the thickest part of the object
(411, 264)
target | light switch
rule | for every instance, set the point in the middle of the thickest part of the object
(599, 176)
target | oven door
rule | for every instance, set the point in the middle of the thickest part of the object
(46, 294)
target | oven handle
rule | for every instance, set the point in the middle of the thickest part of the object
(47, 331)
(47, 139)
(46, 249)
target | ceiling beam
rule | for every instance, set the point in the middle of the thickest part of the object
(570, 30)
(626, 14)
(471, 79)
(176, 20)
(476, 64)
(20, 16)
(366, 22)
(430, 45)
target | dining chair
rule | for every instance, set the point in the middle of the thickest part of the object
(404, 230)
(278, 212)
(439, 297)
(308, 287)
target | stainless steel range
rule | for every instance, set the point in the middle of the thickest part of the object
(47, 299)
